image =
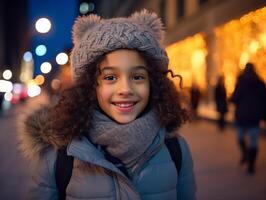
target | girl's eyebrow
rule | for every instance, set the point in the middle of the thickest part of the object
(140, 67)
(107, 68)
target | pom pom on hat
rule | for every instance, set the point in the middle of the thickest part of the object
(151, 20)
(82, 24)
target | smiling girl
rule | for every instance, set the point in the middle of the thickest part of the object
(115, 119)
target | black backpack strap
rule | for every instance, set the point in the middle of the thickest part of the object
(174, 148)
(63, 172)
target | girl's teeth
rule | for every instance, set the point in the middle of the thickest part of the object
(124, 105)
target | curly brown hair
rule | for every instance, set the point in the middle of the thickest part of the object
(72, 115)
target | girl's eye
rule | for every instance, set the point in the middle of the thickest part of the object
(139, 77)
(110, 78)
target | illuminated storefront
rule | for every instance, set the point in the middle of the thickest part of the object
(235, 43)
(187, 58)
(241, 41)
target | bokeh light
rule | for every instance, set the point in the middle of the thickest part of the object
(46, 67)
(56, 84)
(61, 58)
(43, 25)
(8, 96)
(7, 74)
(40, 50)
(39, 79)
(33, 89)
(27, 56)
(5, 86)
(84, 8)
(17, 88)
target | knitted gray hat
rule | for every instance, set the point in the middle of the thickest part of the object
(93, 37)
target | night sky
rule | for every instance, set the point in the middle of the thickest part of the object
(62, 14)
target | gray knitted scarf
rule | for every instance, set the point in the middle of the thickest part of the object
(126, 142)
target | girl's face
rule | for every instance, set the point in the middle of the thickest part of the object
(123, 85)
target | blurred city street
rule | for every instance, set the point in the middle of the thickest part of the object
(215, 157)
(210, 46)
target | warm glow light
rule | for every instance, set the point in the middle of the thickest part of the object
(198, 58)
(56, 84)
(46, 67)
(263, 39)
(253, 47)
(241, 41)
(61, 58)
(43, 25)
(39, 79)
(244, 58)
(7, 74)
(187, 58)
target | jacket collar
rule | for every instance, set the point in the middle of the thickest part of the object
(84, 150)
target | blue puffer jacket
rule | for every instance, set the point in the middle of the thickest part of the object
(93, 177)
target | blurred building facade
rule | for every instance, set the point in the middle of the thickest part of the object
(209, 38)
(14, 37)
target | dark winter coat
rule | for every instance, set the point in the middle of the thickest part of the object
(94, 177)
(249, 98)
(220, 98)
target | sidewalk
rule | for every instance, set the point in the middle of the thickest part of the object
(208, 111)
(216, 155)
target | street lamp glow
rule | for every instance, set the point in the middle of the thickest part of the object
(34, 90)
(39, 79)
(7, 74)
(61, 58)
(43, 25)
(5, 86)
(40, 50)
(46, 67)
(27, 56)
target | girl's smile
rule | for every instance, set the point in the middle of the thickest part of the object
(124, 106)
(123, 85)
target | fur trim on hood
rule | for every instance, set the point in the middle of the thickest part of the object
(35, 133)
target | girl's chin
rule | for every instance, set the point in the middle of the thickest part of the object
(124, 120)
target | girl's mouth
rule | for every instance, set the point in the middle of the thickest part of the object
(124, 106)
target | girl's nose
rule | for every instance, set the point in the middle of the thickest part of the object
(124, 87)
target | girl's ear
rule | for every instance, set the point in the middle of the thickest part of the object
(152, 21)
(82, 24)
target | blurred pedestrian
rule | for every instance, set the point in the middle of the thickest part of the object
(221, 101)
(249, 98)
(195, 96)
(116, 118)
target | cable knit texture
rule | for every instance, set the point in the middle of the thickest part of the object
(93, 37)
(124, 141)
